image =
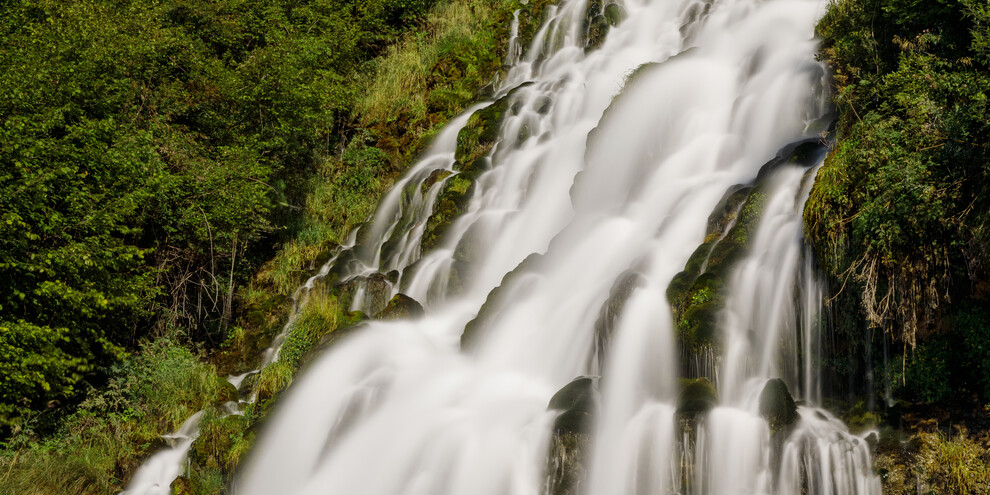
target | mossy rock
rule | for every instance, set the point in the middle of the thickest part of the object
(450, 204)
(227, 393)
(479, 135)
(401, 307)
(567, 456)
(434, 177)
(377, 292)
(777, 406)
(727, 210)
(566, 470)
(578, 402)
(221, 443)
(182, 486)
(697, 396)
(598, 28)
(697, 294)
(615, 14)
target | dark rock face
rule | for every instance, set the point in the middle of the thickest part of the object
(567, 456)
(777, 406)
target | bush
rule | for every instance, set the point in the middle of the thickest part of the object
(898, 213)
(105, 439)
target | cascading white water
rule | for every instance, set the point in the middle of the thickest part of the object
(610, 160)
(158, 472)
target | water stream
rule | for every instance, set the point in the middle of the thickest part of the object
(609, 163)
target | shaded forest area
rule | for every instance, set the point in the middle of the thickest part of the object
(171, 172)
(153, 155)
(900, 219)
(900, 213)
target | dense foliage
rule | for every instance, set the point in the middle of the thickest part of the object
(114, 428)
(901, 210)
(149, 151)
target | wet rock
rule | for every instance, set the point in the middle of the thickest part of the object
(542, 105)
(697, 294)
(577, 396)
(377, 292)
(777, 406)
(615, 14)
(598, 28)
(803, 152)
(434, 177)
(475, 143)
(566, 459)
(451, 202)
(401, 307)
(567, 455)
(697, 396)
(477, 138)
(727, 211)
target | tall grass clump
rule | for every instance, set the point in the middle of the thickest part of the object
(101, 443)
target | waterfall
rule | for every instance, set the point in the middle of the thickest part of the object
(609, 161)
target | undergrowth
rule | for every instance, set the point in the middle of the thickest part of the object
(114, 428)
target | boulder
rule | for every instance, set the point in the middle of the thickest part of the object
(614, 13)
(566, 466)
(697, 396)
(777, 406)
(401, 307)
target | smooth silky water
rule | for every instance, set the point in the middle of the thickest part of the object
(610, 162)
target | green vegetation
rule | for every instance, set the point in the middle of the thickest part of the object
(935, 463)
(154, 156)
(899, 218)
(899, 213)
(150, 155)
(697, 294)
(114, 428)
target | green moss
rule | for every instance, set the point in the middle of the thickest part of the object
(401, 307)
(697, 294)
(697, 396)
(222, 443)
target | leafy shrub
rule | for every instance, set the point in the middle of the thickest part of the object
(104, 440)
